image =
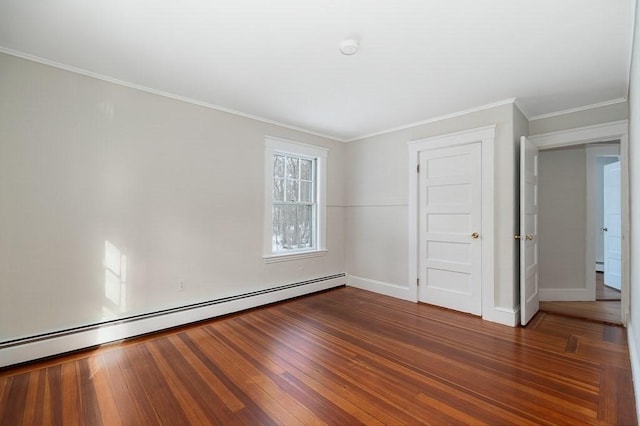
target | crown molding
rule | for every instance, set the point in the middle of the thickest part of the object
(134, 86)
(634, 5)
(579, 109)
(173, 96)
(438, 118)
(522, 109)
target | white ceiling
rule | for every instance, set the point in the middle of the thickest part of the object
(279, 59)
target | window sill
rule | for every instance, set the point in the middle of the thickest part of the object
(285, 257)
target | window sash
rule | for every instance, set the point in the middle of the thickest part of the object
(294, 221)
(293, 227)
(283, 182)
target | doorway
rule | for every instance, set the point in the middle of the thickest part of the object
(580, 260)
(606, 160)
(611, 229)
(580, 299)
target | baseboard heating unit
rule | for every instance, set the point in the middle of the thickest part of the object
(43, 345)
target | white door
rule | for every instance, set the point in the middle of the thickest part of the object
(529, 299)
(450, 218)
(612, 226)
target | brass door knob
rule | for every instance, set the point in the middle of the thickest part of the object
(517, 237)
(475, 235)
(528, 237)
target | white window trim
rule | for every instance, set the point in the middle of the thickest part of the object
(275, 145)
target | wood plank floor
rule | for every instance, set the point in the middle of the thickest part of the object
(606, 308)
(604, 292)
(604, 311)
(341, 357)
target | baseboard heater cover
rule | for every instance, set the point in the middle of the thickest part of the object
(53, 343)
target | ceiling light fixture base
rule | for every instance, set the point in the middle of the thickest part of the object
(349, 47)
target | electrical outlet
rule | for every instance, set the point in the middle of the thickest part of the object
(182, 285)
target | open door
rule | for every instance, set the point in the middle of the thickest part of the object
(529, 299)
(612, 226)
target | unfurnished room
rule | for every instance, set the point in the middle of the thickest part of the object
(319, 212)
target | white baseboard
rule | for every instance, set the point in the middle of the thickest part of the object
(63, 342)
(566, 295)
(388, 289)
(504, 316)
(635, 365)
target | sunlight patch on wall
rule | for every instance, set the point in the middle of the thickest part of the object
(115, 281)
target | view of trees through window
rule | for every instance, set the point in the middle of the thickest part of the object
(293, 202)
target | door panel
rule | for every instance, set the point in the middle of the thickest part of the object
(612, 226)
(529, 299)
(450, 259)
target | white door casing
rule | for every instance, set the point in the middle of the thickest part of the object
(450, 223)
(529, 298)
(600, 133)
(486, 137)
(612, 226)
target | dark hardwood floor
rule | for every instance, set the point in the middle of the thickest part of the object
(340, 357)
(604, 292)
(606, 308)
(603, 311)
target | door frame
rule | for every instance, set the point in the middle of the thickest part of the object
(606, 132)
(486, 136)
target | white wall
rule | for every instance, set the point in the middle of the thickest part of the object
(377, 175)
(634, 189)
(562, 219)
(176, 187)
(376, 195)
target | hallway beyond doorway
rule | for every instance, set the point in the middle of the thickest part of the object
(604, 292)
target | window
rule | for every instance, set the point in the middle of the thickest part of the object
(294, 202)
(295, 208)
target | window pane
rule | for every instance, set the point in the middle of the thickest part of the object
(292, 168)
(292, 190)
(290, 231)
(278, 230)
(305, 192)
(304, 226)
(278, 189)
(306, 169)
(292, 227)
(278, 166)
